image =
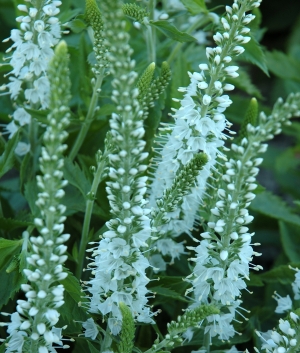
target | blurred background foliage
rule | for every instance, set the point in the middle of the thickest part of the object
(275, 73)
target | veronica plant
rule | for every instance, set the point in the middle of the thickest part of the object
(30, 55)
(134, 201)
(200, 122)
(225, 255)
(33, 325)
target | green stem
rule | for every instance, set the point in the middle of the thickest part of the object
(34, 145)
(206, 341)
(89, 118)
(87, 217)
(203, 21)
(151, 34)
(106, 342)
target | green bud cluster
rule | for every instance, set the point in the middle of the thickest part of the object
(191, 318)
(250, 118)
(182, 184)
(159, 84)
(136, 12)
(128, 330)
(94, 19)
(151, 88)
(144, 82)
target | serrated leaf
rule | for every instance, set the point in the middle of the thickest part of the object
(9, 224)
(283, 66)
(254, 53)
(243, 82)
(7, 158)
(72, 286)
(290, 240)
(10, 284)
(8, 248)
(282, 274)
(76, 177)
(72, 308)
(272, 206)
(171, 31)
(195, 6)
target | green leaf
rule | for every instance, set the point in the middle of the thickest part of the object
(255, 281)
(283, 66)
(290, 240)
(67, 15)
(10, 284)
(282, 274)
(171, 31)
(72, 286)
(8, 248)
(171, 286)
(254, 53)
(76, 176)
(92, 348)
(7, 158)
(9, 224)
(31, 191)
(243, 82)
(39, 115)
(195, 6)
(72, 307)
(272, 206)
(77, 25)
(26, 170)
(169, 293)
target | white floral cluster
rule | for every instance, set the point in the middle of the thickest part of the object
(31, 52)
(285, 303)
(119, 264)
(284, 338)
(200, 121)
(32, 327)
(224, 256)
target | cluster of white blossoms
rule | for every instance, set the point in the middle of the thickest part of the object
(31, 52)
(118, 264)
(286, 336)
(200, 121)
(283, 339)
(224, 256)
(32, 327)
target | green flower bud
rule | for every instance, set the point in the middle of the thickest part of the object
(135, 11)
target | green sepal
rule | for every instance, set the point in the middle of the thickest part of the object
(250, 118)
(128, 330)
(136, 12)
